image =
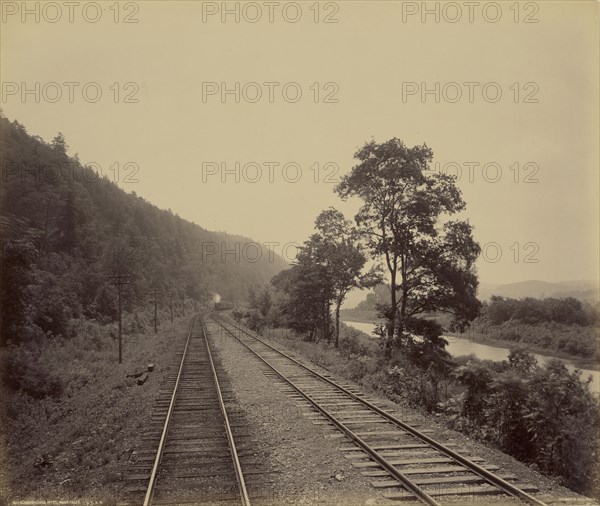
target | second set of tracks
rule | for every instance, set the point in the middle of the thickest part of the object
(195, 441)
(404, 460)
(198, 444)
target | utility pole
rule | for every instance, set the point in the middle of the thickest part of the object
(119, 280)
(155, 292)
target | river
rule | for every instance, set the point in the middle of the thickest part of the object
(459, 346)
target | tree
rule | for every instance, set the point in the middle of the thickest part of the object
(329, 265)
(59, 144)
(252, 297)
(522, 360)
(404, 217)
(336, 246)
(308, 295)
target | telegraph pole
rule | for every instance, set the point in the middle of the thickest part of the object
(119, 280)
(155, 292)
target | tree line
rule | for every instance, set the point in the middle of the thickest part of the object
(405, 231)
(566, 310)
(406, 243)
(66, 229)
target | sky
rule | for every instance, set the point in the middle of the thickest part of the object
(505, 92)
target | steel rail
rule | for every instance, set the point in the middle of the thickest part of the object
(471, 466)
(236, 461)
(163, 437)
(409, 485)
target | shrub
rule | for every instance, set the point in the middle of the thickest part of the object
(22, 370)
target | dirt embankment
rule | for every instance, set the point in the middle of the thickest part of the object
(76, 445)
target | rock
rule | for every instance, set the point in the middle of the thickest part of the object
(339, 477)
(150, 367)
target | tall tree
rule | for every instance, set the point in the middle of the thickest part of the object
(404, 217)
(308, 296)
(336, 247)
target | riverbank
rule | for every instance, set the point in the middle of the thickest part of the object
(579, 362)
(497, 351)
(489, 339)
(476, 408)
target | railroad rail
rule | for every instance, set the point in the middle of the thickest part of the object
(196, 452)
(405, 456)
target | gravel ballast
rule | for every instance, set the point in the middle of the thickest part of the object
(306, 452)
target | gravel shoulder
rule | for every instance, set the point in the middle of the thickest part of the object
(308, 457)
(310, 467)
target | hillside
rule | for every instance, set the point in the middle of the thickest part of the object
(584, 290)
(66, 229)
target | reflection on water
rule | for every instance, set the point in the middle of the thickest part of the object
(460, 346)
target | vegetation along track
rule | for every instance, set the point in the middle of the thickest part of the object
(196, 447)
(404, 460)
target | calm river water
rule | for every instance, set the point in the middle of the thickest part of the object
(458, 346)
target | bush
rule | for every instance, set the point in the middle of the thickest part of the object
(358, 369)
(23, 370)
(351, 346)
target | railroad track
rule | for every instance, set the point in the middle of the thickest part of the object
(195, 443)
(403, 460)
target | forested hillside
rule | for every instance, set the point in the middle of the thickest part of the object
(584, 290)
(66, 229)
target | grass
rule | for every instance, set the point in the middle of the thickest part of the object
(76, 442)
(359, 359)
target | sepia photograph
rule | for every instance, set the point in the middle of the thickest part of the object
(300, 252)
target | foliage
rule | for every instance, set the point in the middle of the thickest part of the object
(379, 295)
(544, 415)
(330, 263)
(70, 405)
(403, 217)
(567, 310)
(66, 228)
(570, 340)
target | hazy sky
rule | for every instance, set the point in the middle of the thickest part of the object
(369, 68)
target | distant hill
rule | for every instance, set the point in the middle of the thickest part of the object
(585, 290)
(66, 229)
